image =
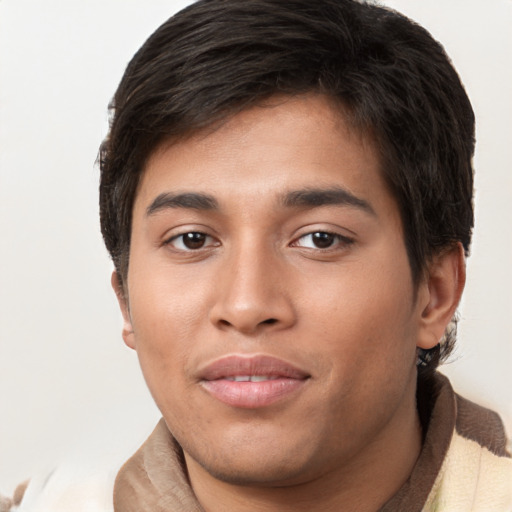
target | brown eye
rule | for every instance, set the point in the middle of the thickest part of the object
(323, 240)
(191, 241)
(194, 240)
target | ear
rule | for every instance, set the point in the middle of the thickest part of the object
(442, 292)
(128, 335)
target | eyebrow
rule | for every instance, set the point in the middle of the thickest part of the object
(304, 198)
(191, 200)
(316, 197)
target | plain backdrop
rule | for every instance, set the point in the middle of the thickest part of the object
(68, 386)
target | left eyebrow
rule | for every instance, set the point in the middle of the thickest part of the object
(187, 200)
(316, 197)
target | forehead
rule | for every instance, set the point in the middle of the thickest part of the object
(267, 150)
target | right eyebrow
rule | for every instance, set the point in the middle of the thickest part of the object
(190, 200)
(316, 197)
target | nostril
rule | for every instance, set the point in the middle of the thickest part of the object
(246, 323)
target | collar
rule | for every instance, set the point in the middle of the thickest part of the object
(155, 479)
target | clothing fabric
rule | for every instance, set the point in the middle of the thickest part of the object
(463, 466)
(69, 488)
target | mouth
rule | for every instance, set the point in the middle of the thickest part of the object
(251, 378)
(252, 382)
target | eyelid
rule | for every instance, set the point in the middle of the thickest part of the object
(343, 240)
(176, 235)
(212, 240)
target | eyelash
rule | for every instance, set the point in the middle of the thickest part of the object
(199, 236)
(191, 234)
(338, 240)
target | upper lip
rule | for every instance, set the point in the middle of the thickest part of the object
(258, 365)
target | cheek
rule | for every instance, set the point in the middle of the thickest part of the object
(166, 302)
(166, 315)
(365, 335)
(364, 316)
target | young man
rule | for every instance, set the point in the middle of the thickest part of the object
(286, 193)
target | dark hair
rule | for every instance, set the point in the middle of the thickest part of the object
(218, 57)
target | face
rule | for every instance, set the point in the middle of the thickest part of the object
(269, 295)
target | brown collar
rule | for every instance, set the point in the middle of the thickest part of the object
(437, 409)
(154, 479)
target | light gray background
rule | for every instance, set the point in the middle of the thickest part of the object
(68, 385)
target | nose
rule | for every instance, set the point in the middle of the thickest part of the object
(252, 295)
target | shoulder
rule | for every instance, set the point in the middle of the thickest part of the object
(481, 425)
(67, 488)
(477, 470)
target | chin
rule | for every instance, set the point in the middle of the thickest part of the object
(269, 473)
(254, 460)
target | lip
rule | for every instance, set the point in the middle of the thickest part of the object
(285, 379)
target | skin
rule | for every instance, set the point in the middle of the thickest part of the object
(346, 313)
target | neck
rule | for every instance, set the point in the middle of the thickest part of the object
(388, 459)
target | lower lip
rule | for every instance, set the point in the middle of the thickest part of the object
(252, 395)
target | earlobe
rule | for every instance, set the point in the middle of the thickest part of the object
(128, 335)
(444, 285)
